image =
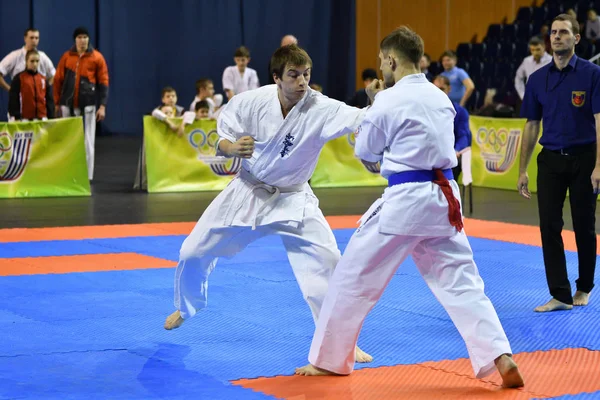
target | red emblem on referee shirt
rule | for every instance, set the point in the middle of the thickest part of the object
(578, 98)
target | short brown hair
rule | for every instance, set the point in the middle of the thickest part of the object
(288, 55)
(448, 53)
(569, 18)
(405, 42)
(31, 53)
(242, 52)
(536, 41)
(202, 83)
(166, 90)
(443, 78)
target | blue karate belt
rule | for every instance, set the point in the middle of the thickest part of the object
(417, 176)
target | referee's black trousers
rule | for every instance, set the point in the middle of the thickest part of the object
(558, 173)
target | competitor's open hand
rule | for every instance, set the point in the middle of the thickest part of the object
(522, 186)
(374, 87)
(243, 147)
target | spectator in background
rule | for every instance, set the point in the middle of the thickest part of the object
(317, 87)
(14, 62)
(169, 98)
(462, 131)
(494, 107)
(592, 26)
(360, 98)
(202, 110)
(205, 91)
(544, 35)
(530, 64)
(461, 85)
(30, 96)
(285, 41)
(424, 66)
(81, 83)
(239, 77)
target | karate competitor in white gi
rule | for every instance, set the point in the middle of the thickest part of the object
(409, 129)
(279, 131)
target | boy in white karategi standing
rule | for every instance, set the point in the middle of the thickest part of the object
(279, 131)
(409, 129)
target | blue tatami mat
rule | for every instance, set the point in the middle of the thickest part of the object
(100, 335)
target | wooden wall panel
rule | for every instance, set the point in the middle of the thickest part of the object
(442, 24)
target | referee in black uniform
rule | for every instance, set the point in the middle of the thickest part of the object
(565, 96)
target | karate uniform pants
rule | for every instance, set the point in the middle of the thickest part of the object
(367, 266)
(311, 248)
(89, 129)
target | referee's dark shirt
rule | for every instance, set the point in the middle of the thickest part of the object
(565, 101)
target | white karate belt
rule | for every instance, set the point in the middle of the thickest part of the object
(275, 191)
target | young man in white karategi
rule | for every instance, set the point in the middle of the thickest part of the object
(279, 131)
(409, 129)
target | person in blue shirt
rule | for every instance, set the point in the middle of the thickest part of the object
(462, 132)
(565, 96)
(461, 85)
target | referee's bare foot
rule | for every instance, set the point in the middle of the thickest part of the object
(174, 321)
(553, 305)
(581, 298)
(311, 370)
(362, 357)
(509, 371)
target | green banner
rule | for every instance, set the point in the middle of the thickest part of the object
(43, 159)
(185, 163)
(339, 167)
(496, 148)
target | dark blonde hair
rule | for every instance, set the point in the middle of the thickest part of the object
(288, 55)
(573, 21)
(405, 42)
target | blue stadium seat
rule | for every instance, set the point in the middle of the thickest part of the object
(474, 70)
(463, 51)
(477, 50)
(508, 51)
(524, 14)
(538, 15)
(489, 69)
(435, 68)
(492, 51)
(509, 33)
(524, 31)
(494, 33)
(521, 51)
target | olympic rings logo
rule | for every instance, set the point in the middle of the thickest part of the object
(498, 148)
(202, 140)
(206, 144)
(5, 143)
(490, 139)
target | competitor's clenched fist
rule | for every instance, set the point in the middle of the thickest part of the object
(242, 148)
(374, 87)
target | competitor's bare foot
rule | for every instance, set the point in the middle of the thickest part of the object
(311, 370)
(362, 357)
(509, 371)
(174, 321)
(553, 305)
(581, 298)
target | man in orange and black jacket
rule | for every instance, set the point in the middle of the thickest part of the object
(81, 88)
(30, 96)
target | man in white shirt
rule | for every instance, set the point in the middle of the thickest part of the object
(239, 78)
(14, 62)
(409, 129)
(530, 64)
(278, 131)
